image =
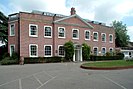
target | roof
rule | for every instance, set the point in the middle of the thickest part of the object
(75, 15)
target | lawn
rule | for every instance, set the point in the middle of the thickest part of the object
(113, 63)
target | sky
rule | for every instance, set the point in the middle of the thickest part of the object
(104, 11)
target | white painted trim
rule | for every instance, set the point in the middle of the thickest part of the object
(72, 33)
(14, 29)
(109, 38)
(64, 32)
(85, 34)
(58, 51)
(30, 30)
(30, 50)
(105, 37)
(97, 36)
(51, 32)
(10, 48)
(51, 51)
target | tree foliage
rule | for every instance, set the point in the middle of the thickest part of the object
(3, 28)
(69, 50)
(85, 51)
(122, 38)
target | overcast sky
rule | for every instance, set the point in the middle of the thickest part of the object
(104, 11)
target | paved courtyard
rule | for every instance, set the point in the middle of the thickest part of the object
(63, 76)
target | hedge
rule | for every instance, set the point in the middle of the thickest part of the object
(8, 61)
(99, 58)
(44, 59)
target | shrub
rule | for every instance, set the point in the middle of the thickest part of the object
(108, 54)
(14, 56)
(44, 59)
(5, 55)
(7, 61)
(121, 55)
(85, 51)
(100, 58)
(69, 50)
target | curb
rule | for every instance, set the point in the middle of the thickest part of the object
(106, 68)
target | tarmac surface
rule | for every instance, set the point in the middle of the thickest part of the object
(63, 76)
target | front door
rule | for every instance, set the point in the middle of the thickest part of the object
(77, 55)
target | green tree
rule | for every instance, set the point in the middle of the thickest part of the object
(69, 50)
(85, 51)
(3, 28)
(122, 38)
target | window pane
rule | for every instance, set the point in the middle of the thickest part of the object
(33, 50)
(87, 34)
(103, 51)
(47, 31)
(110, 38)
(12, 29)
(111, 50)
(61, 32)
(12, 49)
(95, 36)
(103, 37)
(61, 51)
(48, 50)
(75, 33)
(95, 51)
(33, 30)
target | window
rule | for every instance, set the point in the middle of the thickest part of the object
(110, 50)
(95, 36)
(61, 51)
(103, 37)
(87, 35)
(110, 38)
(48, 31)
(75, 33)
(33, 50)
(12, 30)
(12, 49)
(33, 30)
(61, 32)
(103, 51)
(48, 50)
(95, 50)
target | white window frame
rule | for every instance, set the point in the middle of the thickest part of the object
(102, 50)
(77, 35)
(109, 38)
(97, 50)
(111, 48)
(64, 32)
(30, 30)
(51, 51)
(11, 31)
(10, 49)
(97, 36)
(51, 32)
(85, 34)
(58, 51)
(30, 50)
(102, 35)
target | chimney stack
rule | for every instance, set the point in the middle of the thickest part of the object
(73, 11)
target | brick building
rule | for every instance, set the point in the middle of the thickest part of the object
(43, 34)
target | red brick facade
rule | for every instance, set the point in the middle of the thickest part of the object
(22, 40)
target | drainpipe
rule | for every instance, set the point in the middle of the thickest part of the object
(19, 36)
(53, 34)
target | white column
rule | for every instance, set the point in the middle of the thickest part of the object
(81, 59)
(74, 56)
